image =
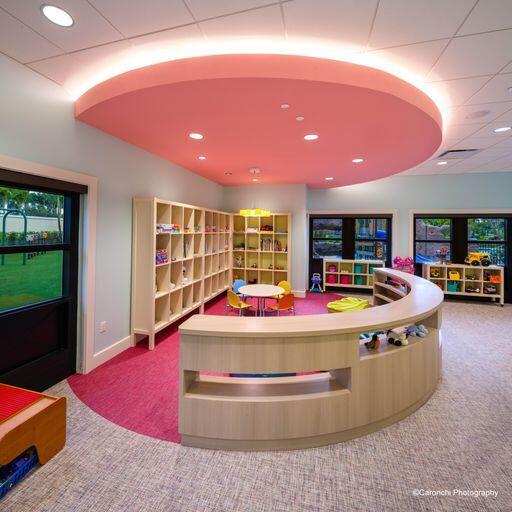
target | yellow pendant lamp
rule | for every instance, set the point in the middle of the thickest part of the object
(254, 212)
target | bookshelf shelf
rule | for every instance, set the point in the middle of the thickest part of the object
(258, 255)
(467, 280)
(197, 242)
(342, 273)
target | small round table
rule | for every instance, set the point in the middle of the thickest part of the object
(261, 292)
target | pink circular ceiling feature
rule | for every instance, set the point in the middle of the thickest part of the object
(235, 101)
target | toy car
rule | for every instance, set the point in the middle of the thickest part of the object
(478, 258)
(490, 289)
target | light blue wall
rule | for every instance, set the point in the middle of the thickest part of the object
(37, 124)
(402, 193)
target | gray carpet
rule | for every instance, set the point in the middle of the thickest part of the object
(461, 439)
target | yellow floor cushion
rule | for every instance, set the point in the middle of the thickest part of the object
(347, 304)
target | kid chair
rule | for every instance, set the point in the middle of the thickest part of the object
(285, 303)
(286, 286)
(237, 284)
(234, 302)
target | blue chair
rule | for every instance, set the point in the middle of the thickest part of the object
(237, 284)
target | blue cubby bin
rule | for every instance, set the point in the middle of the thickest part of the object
(18, 469)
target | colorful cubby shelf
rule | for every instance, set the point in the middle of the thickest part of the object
(467, 280)
(350, 273)
(181, 260)
(261, 248)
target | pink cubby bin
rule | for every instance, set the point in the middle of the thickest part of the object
(332, 268)
(331, 279)
(345, 279)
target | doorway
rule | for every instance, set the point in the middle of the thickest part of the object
(39, 251)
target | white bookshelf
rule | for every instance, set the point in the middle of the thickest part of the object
(342, 273)
(198, 268)
(473, 281)
(261, 248)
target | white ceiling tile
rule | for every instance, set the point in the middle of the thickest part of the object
(167, 40)
(460, 131)
(493, 111)
(483, 54)
(488, 15)
(459, 91)
(260, 23)
(59, 69)
(347, 22)
(495, 90)
(507, 69)
(418, 58)
(133, 17)
(89, 28)
(488, 131)
(506, 116)
(473, 142)
(507, 143)
(202, 9)
(22, 43)
(404, 21)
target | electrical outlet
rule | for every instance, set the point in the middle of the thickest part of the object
(103, 326)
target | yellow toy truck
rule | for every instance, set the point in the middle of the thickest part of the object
(478, 258)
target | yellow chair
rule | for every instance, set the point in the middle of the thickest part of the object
(286, 303)
(234, 302)
(286, 286)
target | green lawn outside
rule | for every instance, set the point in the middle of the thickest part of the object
(40, 279)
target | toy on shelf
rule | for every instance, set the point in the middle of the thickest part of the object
(266, 244)
(251, 230)
(454, 275)
(470, 289)
(188, 229)
(168, 228)
(490, 289)
(184, 279)
(197, 229)
(435, 273)
(266, 228)
(478, 259)
(316, 283)
(331, 268)
(442, 254)
(397, 336)
(374, 343)
(417, 330)
(239, 262)
(404, 264)
(161, 257)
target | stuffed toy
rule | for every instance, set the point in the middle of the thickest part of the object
(374, 343)
(417, 330)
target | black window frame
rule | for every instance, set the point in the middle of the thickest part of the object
(460, 241)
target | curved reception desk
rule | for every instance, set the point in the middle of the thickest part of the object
(341, 390)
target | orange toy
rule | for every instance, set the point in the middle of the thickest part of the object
(30, 419)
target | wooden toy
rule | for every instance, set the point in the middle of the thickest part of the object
(374, 343)
(29, 419)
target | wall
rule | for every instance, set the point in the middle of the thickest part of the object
(37, 124)
(283, 199)
(402, 193)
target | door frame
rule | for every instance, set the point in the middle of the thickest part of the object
(87, 251)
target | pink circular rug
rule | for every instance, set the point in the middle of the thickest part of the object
(138, 389)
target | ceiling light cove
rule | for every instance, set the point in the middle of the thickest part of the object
(198, 107)
(57, 15)
(201, 157)
(329, 178)
(285, 106)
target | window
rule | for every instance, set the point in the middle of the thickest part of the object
(327, 236)
(488, 235)
(31, 243)
(371, 235)
(433, 238)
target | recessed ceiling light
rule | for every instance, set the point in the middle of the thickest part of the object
(300, 118)
(311, 136)
(57, 15)
(357, 160)
(227, 173)
(442, 162)
(502, 129)
(285, 106)
(255, 179)
(201, 157)
(329, 179)
(195, 135)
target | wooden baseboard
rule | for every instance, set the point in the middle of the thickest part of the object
(108, 353)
